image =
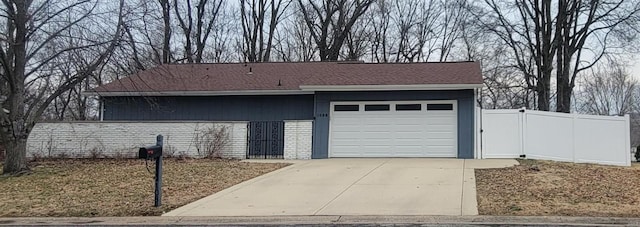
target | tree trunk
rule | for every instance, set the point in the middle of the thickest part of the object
(563, 96)
(16, 158)
(543, 95)
(166, 39)
(15, 130)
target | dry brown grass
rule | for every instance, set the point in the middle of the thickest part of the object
(557, 188)
(118, 187)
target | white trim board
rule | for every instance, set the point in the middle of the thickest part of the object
(406, 87)
(196, 93)
(304, 89)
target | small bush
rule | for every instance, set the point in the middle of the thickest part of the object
(95, 153)
(211, 141)
(637, 154)
(62, 155)
(37, 156)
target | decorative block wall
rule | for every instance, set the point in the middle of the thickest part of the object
(122, 139)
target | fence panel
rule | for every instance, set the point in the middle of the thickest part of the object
(501, 134)
(601, 139)
(556, 136)
(548, 135)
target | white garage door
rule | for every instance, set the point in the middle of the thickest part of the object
(393, 129)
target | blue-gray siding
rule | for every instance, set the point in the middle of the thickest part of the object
(463, 97)
(282, 107)
(210, 108)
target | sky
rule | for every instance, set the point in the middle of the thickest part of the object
(635, 69)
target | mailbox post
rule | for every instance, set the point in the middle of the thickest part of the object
(155, 152)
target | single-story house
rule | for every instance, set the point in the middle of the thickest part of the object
(357, 109)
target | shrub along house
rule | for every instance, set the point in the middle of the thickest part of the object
(353, 109)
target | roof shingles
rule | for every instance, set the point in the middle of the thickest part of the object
(290, 76)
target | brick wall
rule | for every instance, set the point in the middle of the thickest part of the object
(297, 139)
(122, 139)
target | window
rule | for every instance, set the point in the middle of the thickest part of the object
(407, 107)
(384, 107)
(346, 108)
(439, 106)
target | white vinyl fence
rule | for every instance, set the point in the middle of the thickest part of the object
(555, 136)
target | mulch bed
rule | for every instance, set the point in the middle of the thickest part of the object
(558, 188)
(118, 187)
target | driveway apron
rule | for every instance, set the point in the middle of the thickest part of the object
(345, 186)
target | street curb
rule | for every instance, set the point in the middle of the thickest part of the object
(326, 220)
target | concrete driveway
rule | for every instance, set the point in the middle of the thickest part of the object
(411, 186)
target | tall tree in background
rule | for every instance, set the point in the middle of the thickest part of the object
(255, 16)
(330, 22)
(196, 29)
(166, 31)
(589, 28)
(567, 36)
(609, 90)
(295, 43)
(33, 37)
(529, 35)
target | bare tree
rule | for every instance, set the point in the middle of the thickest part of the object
(166, 34)
(544, 36)
(358, 40)
(608, 91)
(30, 41)
(588, 27)
(255, 15)
(329, 23)
(380, 18)
(294, 42)
(453, 17)
(196, 29)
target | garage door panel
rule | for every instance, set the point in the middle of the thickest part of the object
(409, 150)
(376, 142)
(345, 142)
(439, 143)
(440, 128)
(409, 137)
(411, 145)
(391, 133)
(440, 123)
(440, 135)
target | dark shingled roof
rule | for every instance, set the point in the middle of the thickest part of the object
(292, 75)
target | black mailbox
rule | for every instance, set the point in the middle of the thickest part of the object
(150, 152)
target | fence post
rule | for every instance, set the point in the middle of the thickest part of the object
(573, 136)
(522, 114)
(627, 123)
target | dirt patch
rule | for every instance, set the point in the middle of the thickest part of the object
(118, 187)
(557, 188)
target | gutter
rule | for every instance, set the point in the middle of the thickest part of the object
(389, 87)
(304, 89)
(194, 93)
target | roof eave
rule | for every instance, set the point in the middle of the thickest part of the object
(406, 87)
(195, 93)
(304, 89)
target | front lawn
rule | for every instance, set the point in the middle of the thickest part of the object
(118, 187)
(555, 188)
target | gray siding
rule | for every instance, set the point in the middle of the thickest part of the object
(210, 108)
(465, 114)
